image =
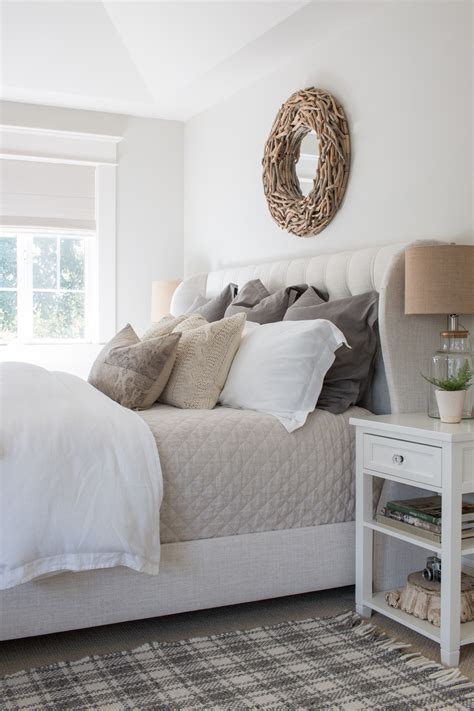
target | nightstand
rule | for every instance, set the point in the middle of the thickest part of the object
(425, 453)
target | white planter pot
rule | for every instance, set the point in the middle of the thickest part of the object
(450, 405)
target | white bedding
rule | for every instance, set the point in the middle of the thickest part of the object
(80, 479)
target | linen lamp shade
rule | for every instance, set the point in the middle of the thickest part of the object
(161, 294)
(439, 279)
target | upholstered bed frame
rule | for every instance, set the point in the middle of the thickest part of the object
(222, 571)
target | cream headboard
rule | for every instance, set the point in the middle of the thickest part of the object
(406, 341)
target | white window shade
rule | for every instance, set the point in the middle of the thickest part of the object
(47, 194)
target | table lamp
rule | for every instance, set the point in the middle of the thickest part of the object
(161, 294)
(439, 279)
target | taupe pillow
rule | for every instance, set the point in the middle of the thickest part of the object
(134, 372)
(204, 357)
(349, 377)
(256, 302)
(214, 309)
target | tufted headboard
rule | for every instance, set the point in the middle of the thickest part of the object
(406, 342)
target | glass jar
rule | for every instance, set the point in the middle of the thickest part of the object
(454, 351)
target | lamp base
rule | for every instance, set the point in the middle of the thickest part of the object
(453, 353)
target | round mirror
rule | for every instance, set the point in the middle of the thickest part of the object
(307, 163)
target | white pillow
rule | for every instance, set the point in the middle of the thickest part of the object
(280, 367)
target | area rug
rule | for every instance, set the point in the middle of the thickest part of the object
(338, 663)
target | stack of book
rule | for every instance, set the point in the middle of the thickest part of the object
(422, 517)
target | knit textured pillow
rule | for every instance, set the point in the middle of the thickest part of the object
(203, 361)
(167, 324)
(190, 322)
(134, 372)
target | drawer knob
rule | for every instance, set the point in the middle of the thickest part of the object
(397, 459)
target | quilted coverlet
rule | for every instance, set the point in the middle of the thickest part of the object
(228, 472)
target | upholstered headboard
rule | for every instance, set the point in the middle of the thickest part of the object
(406, 342)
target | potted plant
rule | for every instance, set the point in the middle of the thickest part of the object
(451, 392)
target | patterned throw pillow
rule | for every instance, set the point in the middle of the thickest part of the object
(204, 357)
(134, 372)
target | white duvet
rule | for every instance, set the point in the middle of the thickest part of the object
(80, 479)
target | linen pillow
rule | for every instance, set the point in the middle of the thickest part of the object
(256, 302)
(279, 369)
(204, 357)
(134, 372)
(356, 316)
(214, 309)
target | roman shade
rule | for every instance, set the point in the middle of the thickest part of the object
(47, 194)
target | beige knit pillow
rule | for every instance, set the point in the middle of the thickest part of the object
(204, 357)
(134, 372)
(191, 321)
(167, 324)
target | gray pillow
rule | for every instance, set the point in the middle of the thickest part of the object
(132, 372)
(256, 302)
(350, 375)
(213, 309)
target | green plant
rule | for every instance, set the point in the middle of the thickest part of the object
(461, 381)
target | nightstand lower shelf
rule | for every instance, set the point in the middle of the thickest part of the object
(378, 604)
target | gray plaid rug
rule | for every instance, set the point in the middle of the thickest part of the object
(338, 663)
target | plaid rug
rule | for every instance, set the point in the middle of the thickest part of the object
(338, 663)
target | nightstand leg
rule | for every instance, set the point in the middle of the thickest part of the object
(364, 536)
(451, 567)
(451, 659)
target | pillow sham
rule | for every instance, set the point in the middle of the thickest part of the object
(279, 369)
(214, 309)
(204, 357)
(134, 372)
(256, 302)
(350, 375)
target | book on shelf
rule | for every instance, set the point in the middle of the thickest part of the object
(412, 520)
(428, 509)
(408, 528)
(387, 519)
(420, 523)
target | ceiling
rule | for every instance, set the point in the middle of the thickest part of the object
(160, 59)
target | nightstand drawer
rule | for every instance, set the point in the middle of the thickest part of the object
(405, 460)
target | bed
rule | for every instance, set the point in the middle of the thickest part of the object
(249, 511)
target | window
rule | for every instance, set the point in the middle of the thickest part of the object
(45, 286)
(57, 236)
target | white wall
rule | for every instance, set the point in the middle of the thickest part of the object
(149, 196)
(403, 73)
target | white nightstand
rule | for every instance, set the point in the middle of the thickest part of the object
(422, 452)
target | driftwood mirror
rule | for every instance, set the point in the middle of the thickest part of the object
(306, 162)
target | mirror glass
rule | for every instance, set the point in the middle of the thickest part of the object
(307, 165)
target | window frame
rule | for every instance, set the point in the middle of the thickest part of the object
(25, 289)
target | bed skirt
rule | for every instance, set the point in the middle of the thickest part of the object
(196, 575)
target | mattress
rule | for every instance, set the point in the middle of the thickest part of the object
(228, 472)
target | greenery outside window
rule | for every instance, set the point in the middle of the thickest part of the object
(45, 286)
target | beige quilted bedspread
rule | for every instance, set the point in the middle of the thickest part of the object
(228, 472)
